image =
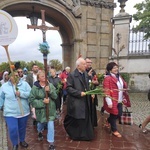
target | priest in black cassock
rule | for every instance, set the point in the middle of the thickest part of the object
(78, 123)
(94, 101)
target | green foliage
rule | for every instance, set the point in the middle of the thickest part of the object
(59, 87)
(29, 65)
(56, 64)
(98, 90)
(100, 77)
(5, 66)
(125, 76)
(143, 16)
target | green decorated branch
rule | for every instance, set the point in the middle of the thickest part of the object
(59, 87)
(97, 91)
(44, 48)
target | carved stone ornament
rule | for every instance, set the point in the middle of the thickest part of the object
(99, 3)
(73, 6)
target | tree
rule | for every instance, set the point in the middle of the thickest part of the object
(5, 66)
(56, 64)
(29, 65)
(143, 16)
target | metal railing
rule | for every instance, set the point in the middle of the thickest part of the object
(137, 44)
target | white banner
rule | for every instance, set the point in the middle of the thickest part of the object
(8, 29)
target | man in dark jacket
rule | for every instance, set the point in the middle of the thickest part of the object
(31, 78)
(56, 81)
(78, 122)
(94, 101)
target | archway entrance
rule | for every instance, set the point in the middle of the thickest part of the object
(55, 16)
(26, 46)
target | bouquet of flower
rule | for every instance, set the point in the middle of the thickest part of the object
(44, 48)
(98, 77)
(91, 85)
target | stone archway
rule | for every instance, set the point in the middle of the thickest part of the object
(85, 26)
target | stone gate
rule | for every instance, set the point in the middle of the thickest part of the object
(85, 26)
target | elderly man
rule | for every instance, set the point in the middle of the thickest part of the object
(78, 122)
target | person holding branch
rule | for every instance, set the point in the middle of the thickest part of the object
(14, 93)
(39, 101)
(77, 122)
(115, 95)
(16, 115)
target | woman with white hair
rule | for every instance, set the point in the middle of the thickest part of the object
(5, 77)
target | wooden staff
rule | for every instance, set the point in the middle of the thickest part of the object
(18, 98)
(44, 28)
(46, 83)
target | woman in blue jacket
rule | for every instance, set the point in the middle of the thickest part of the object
(14, 99)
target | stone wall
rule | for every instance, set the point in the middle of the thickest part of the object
(97, 35)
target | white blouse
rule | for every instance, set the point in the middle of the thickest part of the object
(120, 93)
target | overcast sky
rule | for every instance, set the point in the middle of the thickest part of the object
(25, 47)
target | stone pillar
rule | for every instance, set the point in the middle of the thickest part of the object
(71, 53)
(121, 23)
(66, 55)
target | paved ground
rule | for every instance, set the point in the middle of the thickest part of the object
(133, 138)
(140, 106)
(3, 134)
